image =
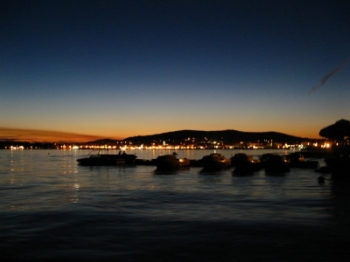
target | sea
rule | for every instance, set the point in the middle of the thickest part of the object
(52, 209)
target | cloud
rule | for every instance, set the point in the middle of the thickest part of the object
(329, 75)
(31, 135)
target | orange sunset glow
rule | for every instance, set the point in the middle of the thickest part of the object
(32, 135)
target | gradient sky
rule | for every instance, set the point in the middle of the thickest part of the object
(124, 68)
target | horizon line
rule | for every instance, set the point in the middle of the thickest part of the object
(51, 136)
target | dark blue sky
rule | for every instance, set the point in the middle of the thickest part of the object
(123, 68)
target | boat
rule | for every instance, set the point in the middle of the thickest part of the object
(264, 158)
(107, 159)
(215, 161)
(297, 160)
(295, 157)
(244, 164)
(171, 162)
(239, 158)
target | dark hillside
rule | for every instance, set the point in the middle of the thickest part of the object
(226, 136)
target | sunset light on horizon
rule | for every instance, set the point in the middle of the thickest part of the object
(87, 70)
(32, 135)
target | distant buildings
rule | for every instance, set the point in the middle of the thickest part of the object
(188, 143)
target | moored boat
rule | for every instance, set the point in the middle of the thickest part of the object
(297, 160)
(244, 164)
(107, 159)
(215, 161)
(240, 158)
(171, 162)
(264, 158)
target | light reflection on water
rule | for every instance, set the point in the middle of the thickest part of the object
(46, 192)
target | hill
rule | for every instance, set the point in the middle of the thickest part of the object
(226, 136)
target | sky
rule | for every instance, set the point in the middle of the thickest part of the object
(115, 69)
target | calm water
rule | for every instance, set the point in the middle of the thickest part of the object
(51, 208)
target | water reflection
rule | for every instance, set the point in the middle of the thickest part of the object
(70, 193)
(51, 189)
